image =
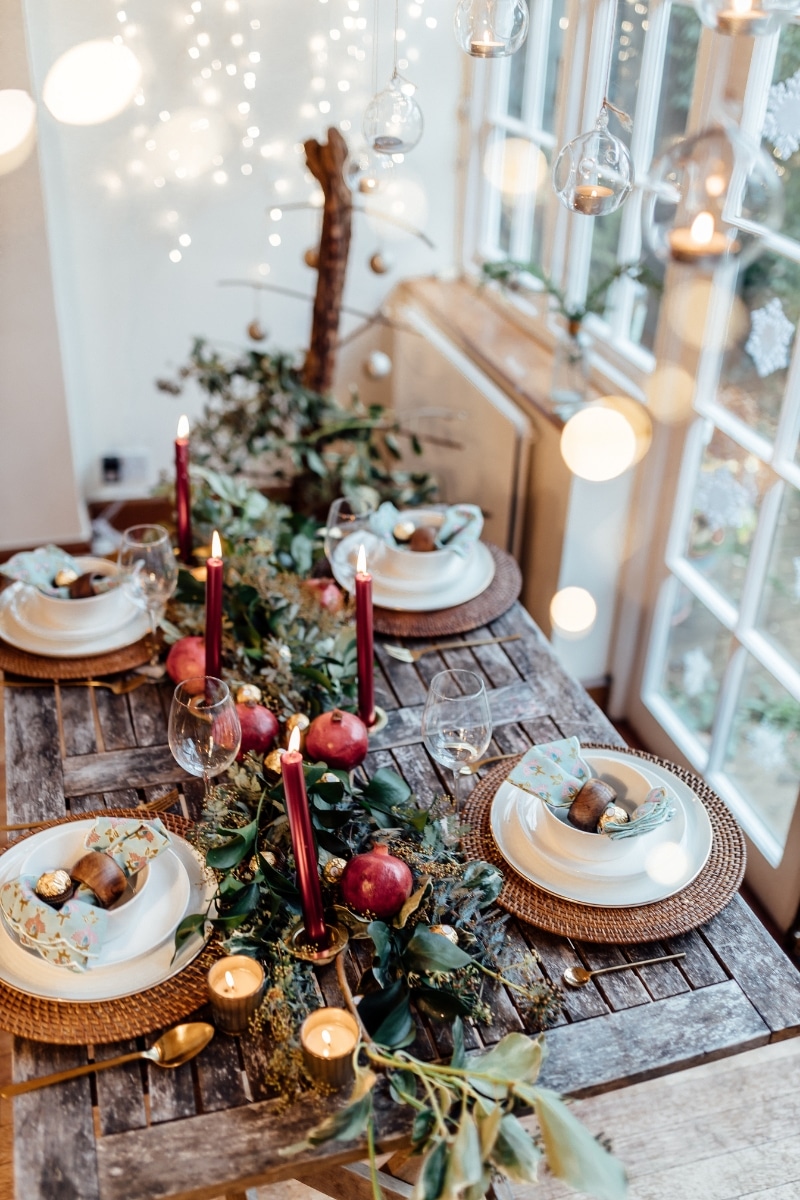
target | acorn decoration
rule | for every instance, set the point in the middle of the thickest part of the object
(589, 805)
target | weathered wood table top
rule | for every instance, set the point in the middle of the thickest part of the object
(209, 1128)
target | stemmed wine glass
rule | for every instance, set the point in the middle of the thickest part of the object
(151, 573)
(346, 516)
(204, 730)
(456, 721)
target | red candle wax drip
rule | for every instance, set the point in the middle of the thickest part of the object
(303, 844)
(364, 651)
(183, 513)
(214, 609)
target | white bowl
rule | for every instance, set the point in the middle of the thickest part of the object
(399, 564)
(60, 849)
(631, 787)
(88, 614)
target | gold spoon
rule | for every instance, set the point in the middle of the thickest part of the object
(578, 977)
(173, 1048)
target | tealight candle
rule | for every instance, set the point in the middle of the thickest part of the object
(328, 1037)
(485, 47)
(701, 241)
(742, 18)
(235, 989)
(589, 198)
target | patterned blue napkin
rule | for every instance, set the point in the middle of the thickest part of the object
(461, 526)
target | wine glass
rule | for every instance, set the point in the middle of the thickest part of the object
(204, 730)
(456, 721)
(347, 516)
(151, 573)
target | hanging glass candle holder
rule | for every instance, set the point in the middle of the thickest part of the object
(491, 28)
(750, 18)
(393, 119)
(593, 174)
(367, 173)
(708, 199)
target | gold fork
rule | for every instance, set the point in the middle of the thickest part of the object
(120, 687)
(403, 654)
(145, 810)
(471, 768)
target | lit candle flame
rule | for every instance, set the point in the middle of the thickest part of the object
(326, 1037)
(742, 6)
(702, 228)
(294, 741)
(229, 981)
(216, 545)
(361, 561)
(183, 426)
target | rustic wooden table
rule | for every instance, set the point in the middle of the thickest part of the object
(209, 1128)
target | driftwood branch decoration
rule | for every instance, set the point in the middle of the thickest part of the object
(326, 163)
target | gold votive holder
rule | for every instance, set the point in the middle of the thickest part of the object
(235, 989)
(300, 945)
(328, 1038)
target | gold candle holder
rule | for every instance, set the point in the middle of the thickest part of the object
(328, 1038)
(235, 989)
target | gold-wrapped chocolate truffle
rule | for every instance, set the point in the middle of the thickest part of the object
(332, 871)
(248, 693)
(446, 931)
(65, 577)
(54, 887)
(272, 761)
(614, 813)
(403, 531)
(297, 721)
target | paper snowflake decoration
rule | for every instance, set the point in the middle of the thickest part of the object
(782, 122)
(697, 670)
(770, 339)
(722, 501)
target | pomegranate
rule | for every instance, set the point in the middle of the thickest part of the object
(186, 659)
(328, 593)
(338, 739)
(376, 883)
(259, 728)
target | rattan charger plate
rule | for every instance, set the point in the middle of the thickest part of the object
(488, 606)
(70, 1023)
(41, 666)
(698, 902)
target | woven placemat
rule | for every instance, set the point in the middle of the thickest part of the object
(41, 666)
(491, 604)
(699, 901)
(75, 1023)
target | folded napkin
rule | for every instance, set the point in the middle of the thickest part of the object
(555, 772)
(461, 526)
(72, 935)
(40, 567)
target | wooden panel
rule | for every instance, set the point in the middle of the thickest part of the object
(121, 768)
(115, 720)
(119, 1091)
(147, 717)
(172, 1093)
(34, 779)
(220, 1076)
(77, 719)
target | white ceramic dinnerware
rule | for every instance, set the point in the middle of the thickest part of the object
(398, 564)
(82, 615)
(20, 630)
(412, 594)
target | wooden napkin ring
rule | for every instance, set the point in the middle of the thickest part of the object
(98, 871)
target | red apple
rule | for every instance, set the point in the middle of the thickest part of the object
(337, 738)
(259, 728)
(186, 659)
(329, 594)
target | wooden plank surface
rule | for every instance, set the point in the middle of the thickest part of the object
(135, 767)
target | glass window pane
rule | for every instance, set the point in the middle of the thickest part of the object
(697, 653)
(559, 23)
(780, 126)
(730, 486)
(763, 756)
(519, 172)
(779, 615)
(677, 83)
(759, 342)
(626, 60)
(516, 84)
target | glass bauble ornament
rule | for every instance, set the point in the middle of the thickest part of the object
(749, 18)
(393, 120)
(593, 174)
(491, 28)
(367, 173)
(707, 199)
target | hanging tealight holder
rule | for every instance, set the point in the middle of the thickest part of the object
(746, 18)
(490, 28)
(708, 199)
(593, 174)
(367, 173)
(393, 119)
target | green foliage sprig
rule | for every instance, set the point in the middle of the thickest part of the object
(510, 271)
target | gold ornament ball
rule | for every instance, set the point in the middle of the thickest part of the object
(380, 263)
(446, 931)
(256, 331)
(248, 693)
(297, 721)
(311, 258)
(332, 871)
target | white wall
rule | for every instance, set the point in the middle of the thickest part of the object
(126, 313)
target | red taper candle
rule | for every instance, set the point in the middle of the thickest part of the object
(303, 844)
(183, 508)
(214, 567)
(364, 651)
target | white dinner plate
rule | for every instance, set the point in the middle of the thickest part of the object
(19, 606)
(667, 861)
(111, 977)
(477, 574)
(18, 635)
